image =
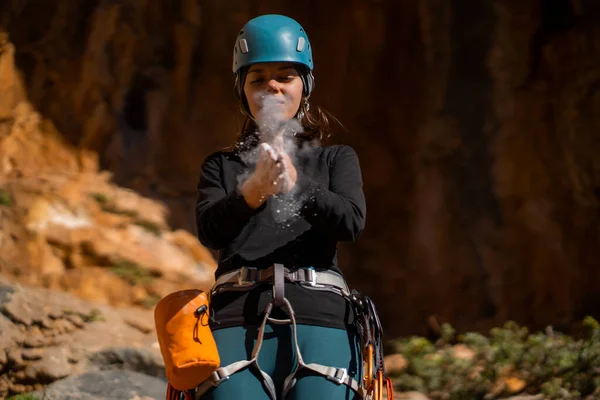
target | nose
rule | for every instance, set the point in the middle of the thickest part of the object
(273, 86)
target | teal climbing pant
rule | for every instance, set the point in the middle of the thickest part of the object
(326, 346)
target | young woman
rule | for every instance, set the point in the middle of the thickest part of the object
(275, 208)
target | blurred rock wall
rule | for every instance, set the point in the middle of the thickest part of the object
(476, 123)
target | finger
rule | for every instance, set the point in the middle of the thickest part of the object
(282, 166)
(263, 153)
(275, 175)
(269, 150)
(276, 183)
(284, 181)
(281, 178)
(273, 155)
(263, 157)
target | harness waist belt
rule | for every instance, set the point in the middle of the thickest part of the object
(249, 276)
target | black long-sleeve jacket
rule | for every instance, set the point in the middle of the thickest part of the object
(298, 230)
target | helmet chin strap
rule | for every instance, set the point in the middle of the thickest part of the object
(308, 80)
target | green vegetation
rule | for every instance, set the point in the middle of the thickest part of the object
(507, 362)
(133, 273)
(108, 205)
(23, 396)
(101, 198)
(150, 226)
(5, 198)
(111, 208)
(94, 315)
(150, 301)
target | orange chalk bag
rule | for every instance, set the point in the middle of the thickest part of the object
(186, 342)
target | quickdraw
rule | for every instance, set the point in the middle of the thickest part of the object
(371, 333)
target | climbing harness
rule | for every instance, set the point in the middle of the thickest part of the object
(367, 321)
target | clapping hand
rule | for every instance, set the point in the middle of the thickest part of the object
(274, 173)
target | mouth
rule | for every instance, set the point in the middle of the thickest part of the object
(271, 103)
(272, 108)
(269, 99)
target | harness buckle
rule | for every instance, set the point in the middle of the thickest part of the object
(217, 378)
(339, 377)
(247, 276)
(311, 276)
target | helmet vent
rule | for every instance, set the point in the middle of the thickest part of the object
(244, 46)
(301, 44)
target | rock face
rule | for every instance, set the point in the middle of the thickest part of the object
(475, 121)
(79, 232)
(47, 336)
(64, 224)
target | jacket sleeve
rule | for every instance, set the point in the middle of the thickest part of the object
(339, 209)
(220, 217)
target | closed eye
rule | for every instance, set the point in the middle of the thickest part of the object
(282, 79)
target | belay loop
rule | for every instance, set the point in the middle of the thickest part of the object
(371, 333)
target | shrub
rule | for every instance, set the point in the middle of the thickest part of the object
(507, 362)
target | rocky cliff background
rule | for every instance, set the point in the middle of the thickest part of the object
(476, 123)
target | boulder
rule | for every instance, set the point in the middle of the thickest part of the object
(47, 336)
(106, 385)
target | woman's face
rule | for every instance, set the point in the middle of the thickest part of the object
(274, 90)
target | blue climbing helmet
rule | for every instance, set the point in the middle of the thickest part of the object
(272, 38)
